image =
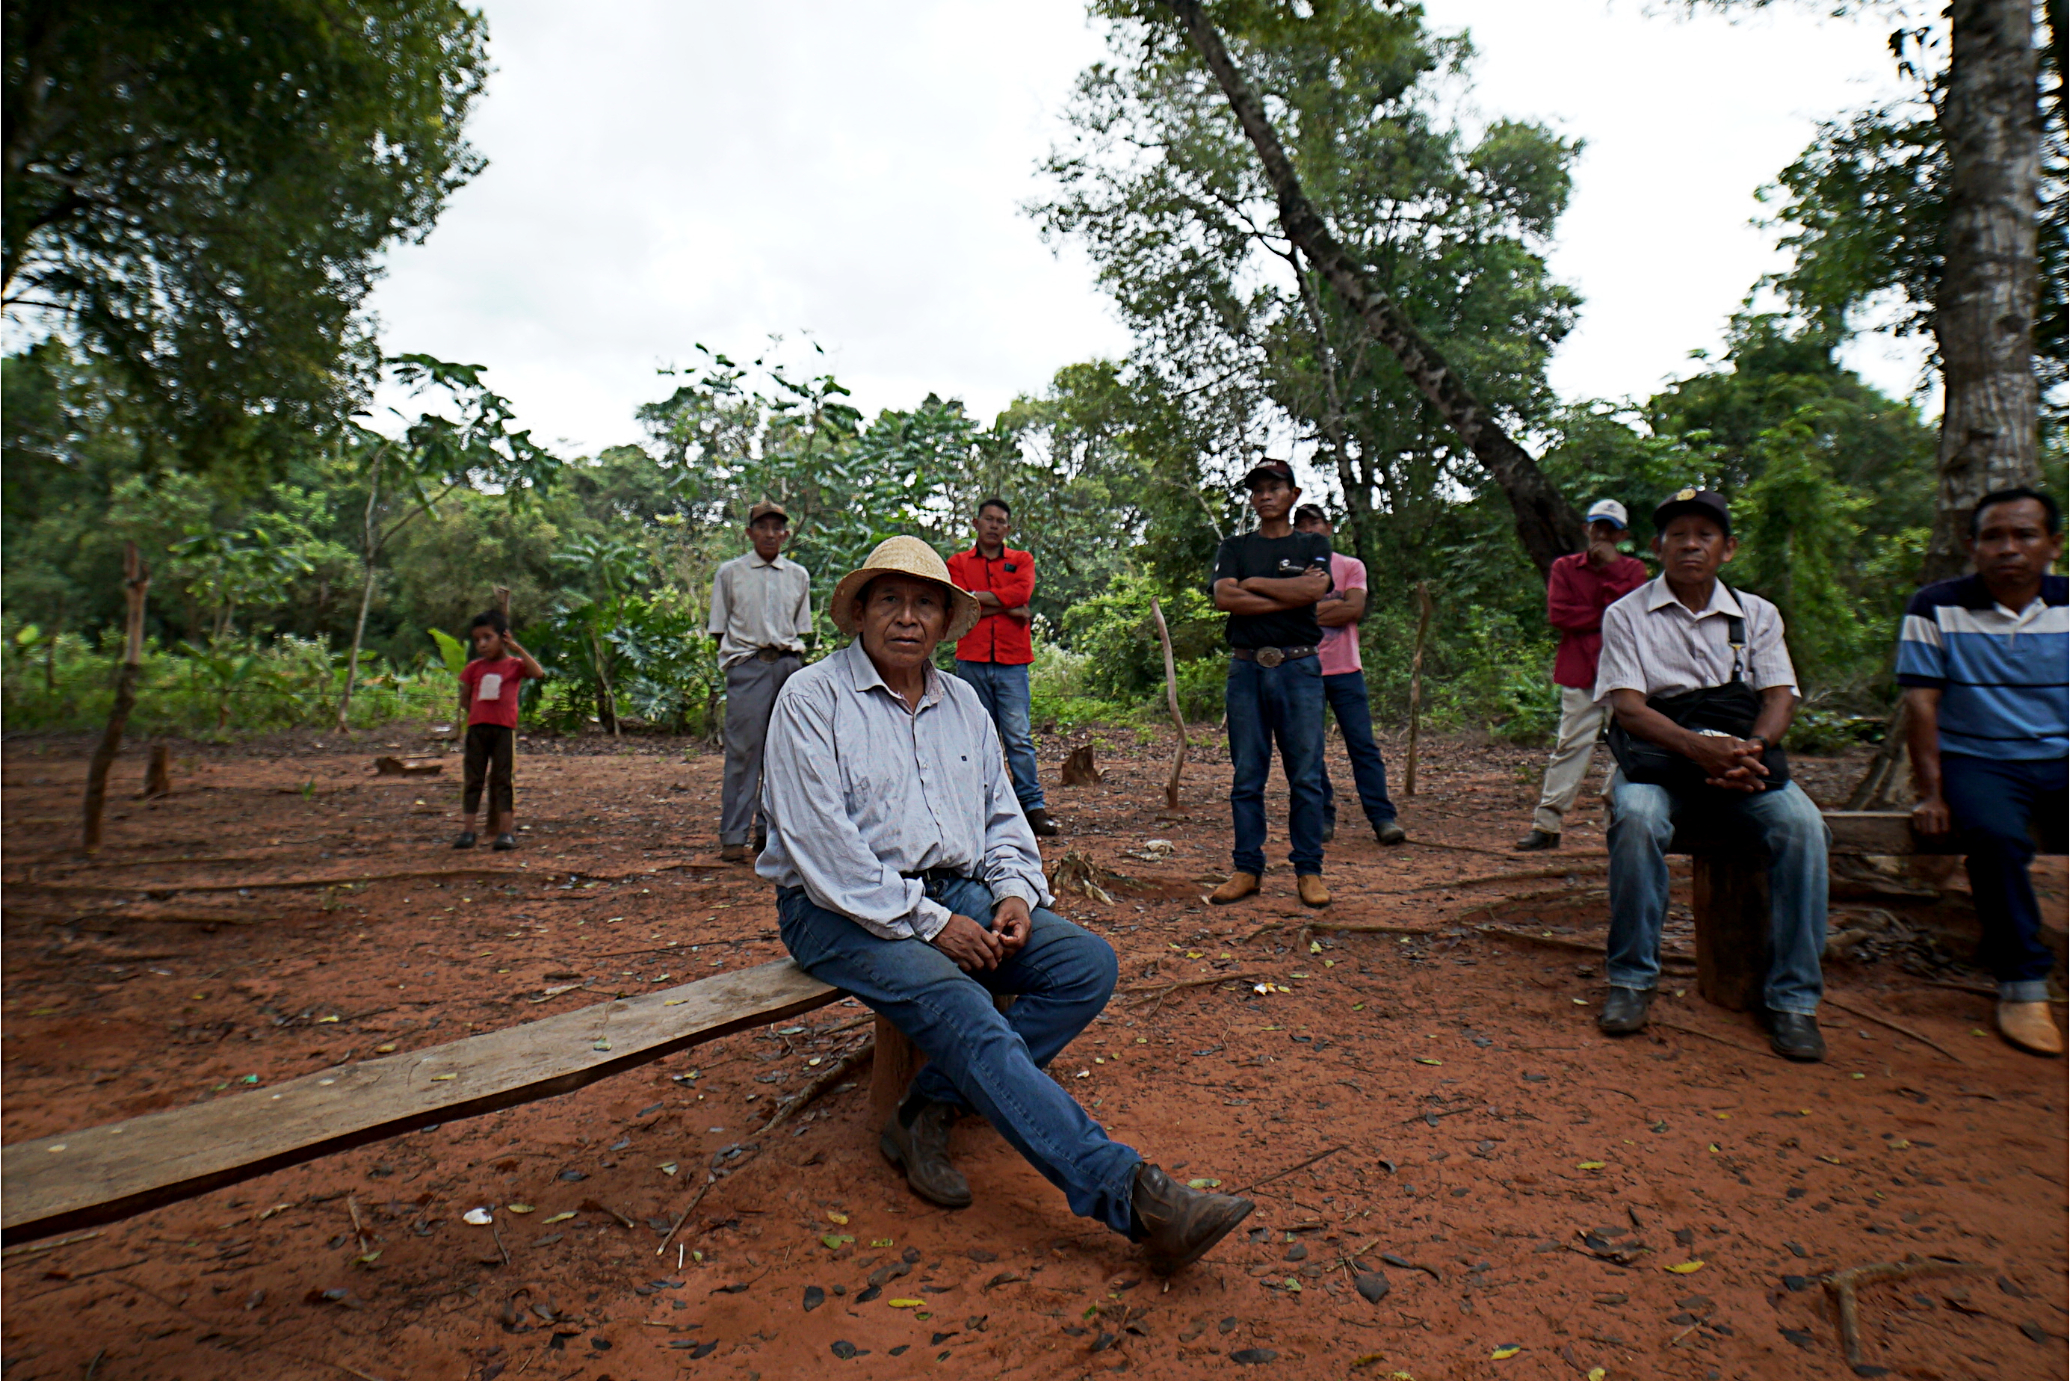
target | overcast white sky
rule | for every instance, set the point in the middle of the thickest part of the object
(664, 172)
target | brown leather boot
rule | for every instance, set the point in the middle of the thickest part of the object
(1180, 1224)
(733, 853)
(2030, 1026)
(1313, 893)
(1239, 886)
(922, 1151)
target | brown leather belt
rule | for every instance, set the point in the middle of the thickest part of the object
(1270, 656)
(773, 654)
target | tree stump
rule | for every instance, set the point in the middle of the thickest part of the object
(1732, 928)
(158, 777)
(895, 1063)
(1080, 769)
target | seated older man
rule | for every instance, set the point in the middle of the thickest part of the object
(907, 875)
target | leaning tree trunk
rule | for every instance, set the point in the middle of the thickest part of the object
(1546, 523)
(136, 583)
(1990, 123)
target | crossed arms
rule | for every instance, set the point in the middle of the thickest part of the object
(1264, 594)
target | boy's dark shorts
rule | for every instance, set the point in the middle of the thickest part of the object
(491, 753)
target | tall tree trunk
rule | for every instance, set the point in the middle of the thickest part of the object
(1546, 523)
(136, 583)
(1990, 122)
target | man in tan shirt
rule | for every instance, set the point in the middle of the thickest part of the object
(761, 616)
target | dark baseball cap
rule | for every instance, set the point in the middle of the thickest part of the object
(1311, 510)
(1699, 501)
(1270, 469)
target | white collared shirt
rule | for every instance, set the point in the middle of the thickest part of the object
(1653, 644)
(858, 790)
(757, 604)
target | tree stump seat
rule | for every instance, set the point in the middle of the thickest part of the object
(1730, 877)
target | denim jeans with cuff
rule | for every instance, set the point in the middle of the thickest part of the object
(1346, 692)
(1784, 821)
(978, 1058)
(1996, 802)
(1283, 703)
(1003, 691)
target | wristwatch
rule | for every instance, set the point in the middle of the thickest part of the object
(1756, 738)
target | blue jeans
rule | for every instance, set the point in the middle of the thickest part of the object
(1995, 802)
(979, 1058)
(1003, 690)
(1264, 703)
(1784, 821)
(1346, 692)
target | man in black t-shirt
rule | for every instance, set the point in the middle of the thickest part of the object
(1268, 582)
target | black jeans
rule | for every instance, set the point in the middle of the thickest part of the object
(491, 753)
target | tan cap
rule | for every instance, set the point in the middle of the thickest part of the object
(904, 556)
(763, 510)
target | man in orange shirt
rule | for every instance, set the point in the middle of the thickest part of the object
(994, 656)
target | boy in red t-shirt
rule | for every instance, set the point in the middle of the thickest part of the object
(489, 699)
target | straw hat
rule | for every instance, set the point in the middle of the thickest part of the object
(904, 556)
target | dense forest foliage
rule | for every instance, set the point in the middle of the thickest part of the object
(285, 526)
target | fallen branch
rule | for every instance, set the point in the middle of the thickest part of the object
(1692, 1031)
(1165, 990)
(826, 1079)
(1980, 989)
(1562, 942)
(1832, 1001)
(1282, 1174)
(1843, 1284)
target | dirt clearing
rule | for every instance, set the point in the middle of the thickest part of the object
(1493, 1190)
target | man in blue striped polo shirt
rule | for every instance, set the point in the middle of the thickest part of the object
(1985, 662)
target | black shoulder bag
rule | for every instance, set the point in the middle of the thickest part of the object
(1728, 709)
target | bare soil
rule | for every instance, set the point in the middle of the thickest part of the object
(1659, 1206)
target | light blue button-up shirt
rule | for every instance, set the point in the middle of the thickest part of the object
(858, 790)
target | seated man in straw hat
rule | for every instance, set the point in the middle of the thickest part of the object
(907, 875)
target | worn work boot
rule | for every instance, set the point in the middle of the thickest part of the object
(733, 853)
(921, 1149)
(2030, 1026)
(1390, 832)
(1239, 886)
(1537, 839)
(1313, 893)
(1624, 1011)
(1041, 825)
(1178, 1224)
(1795, 1036)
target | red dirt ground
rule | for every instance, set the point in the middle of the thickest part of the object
(1480, 1126)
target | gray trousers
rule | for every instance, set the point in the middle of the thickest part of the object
(1581, 719)
(751, 688)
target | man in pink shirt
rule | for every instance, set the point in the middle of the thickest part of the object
(1344, 686)
(1579, 589)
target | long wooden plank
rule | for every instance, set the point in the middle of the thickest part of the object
(1863, 832)
(100, 1174)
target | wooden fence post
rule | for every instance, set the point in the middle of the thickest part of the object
(1416, 683)
(1171, 700)
(136, 583)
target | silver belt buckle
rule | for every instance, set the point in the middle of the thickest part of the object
(1270, 656)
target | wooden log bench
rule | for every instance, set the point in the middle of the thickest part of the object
(81, 1179)
(1730, 886)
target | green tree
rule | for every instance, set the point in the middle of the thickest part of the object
(200, 194)
(1252, 338)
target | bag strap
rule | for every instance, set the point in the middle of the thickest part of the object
(1735, 635)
